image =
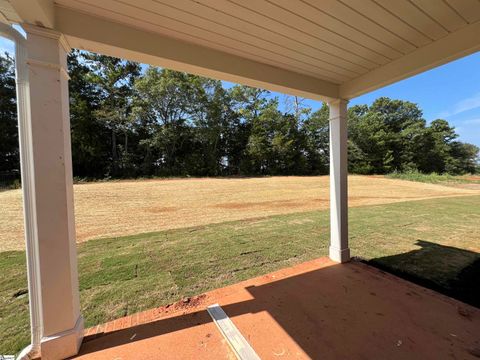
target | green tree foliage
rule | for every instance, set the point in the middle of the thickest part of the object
(9, 156)
(274, 143)
(391, 135)
(191, 120)
(90, 135)
(315, 131)
(129, 121)
(113, 81)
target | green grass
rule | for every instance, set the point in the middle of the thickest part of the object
(434, 240)
(433, 178)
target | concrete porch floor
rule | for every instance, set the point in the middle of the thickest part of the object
(318, 309)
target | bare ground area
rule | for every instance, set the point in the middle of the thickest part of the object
(109, 209)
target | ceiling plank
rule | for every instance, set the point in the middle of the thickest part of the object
(282, 16)
(413, 16)
(311, 34)
(442, 13)
(468, 9)
(388, 21)
(360, 23)
(96, 34)
(35, 12)
(259, 32)
(7, 14)
(314, 14)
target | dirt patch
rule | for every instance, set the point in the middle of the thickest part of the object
(190, 302)
(271, 204)
(353, 198)
(184, 304)
(157, 210)
(119, 208)
(468, 186)
(260, 204)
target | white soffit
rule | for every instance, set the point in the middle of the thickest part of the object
(350, 46)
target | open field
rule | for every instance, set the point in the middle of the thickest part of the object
(107, 209)
(434, 241)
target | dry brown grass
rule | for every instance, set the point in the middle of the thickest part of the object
(107, 209)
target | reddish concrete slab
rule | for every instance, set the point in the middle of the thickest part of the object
(318, 309)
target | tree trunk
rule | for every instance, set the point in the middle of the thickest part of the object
(114, 153)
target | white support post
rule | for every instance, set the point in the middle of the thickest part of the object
(50, 195)
(339, 250)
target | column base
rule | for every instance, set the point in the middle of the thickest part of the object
(64, 344)
(340, 256)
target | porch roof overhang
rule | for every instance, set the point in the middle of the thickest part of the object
(316, 49)
(329, 50)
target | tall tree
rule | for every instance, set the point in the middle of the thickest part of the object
(248, 103)
(398, 117)
(370, 142)
(90, 151)
(211, 113)
(463, 158)
(166, 100)
(9, 153)
(315, 129)
(114, 79)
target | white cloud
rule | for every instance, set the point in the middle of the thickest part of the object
(467, 104)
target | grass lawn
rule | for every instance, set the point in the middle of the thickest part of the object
(436, 241)
(161, 205)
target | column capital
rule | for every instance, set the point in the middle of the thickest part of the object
(337, 102)
(47, 48)
(338, 109)
(47, 33)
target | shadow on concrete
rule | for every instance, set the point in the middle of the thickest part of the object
(448, 270)
(337, 311)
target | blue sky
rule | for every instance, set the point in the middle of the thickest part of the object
(450, 92)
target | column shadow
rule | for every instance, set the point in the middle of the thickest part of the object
(446, 269)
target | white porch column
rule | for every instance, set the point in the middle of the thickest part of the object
(51, 196)
(339, 250)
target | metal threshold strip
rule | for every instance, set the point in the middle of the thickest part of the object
(239, 345)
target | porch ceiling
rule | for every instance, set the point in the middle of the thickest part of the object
(318, 49)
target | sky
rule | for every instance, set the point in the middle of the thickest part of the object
(451, 92)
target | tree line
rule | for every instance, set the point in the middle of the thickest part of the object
(133, 121)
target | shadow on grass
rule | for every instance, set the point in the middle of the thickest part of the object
(419, 266)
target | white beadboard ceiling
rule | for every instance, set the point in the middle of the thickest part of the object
(334, 40)
(337, 41)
